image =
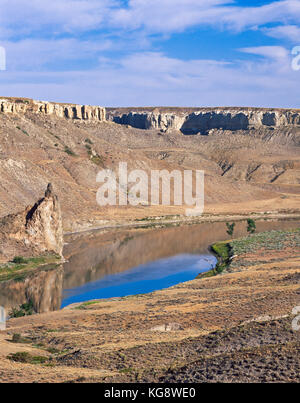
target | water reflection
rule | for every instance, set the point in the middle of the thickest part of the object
(43, 288)
(94, 256)
(145, 278)
(101, 260)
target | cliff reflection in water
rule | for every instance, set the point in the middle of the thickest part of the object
(95, 255)
(43, 288)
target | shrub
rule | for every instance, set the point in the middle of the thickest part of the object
(69, 151)
(251, 228)
(19, 260)
(230, 228)
(16, 338)
(26, 309)
(27, 358)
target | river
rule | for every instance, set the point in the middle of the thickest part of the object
(121, 262)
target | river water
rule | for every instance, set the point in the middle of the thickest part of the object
(156, 275)
(121, 262)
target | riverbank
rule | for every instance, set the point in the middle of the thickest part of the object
(170, 334)
(20, 267)
(154, 221)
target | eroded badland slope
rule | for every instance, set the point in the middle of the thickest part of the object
(232, 327)
(254, 166)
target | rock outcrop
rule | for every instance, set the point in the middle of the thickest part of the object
(193, 121)
(36, 230)
(68, 111)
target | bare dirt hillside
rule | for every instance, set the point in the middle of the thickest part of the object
(246, 170)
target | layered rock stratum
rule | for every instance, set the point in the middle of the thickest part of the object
(253, 166)
(202, 120)
(21, 106)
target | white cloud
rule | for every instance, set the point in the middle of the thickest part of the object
(159, 16)
(34, 32)
(31, 54)
(291, 32)
(271, 52)
(153, 78)
(276, 12)
(18, 17)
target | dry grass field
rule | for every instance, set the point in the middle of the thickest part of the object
(233, 327)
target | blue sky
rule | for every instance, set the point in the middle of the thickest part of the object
(151, 52)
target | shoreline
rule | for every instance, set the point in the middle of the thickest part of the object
(157, 336)
(209, 219)
(220, 267)
(223, 262)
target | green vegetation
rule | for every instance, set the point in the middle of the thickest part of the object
(251, 228)
(26, 309)
(69, 151)
(27, 358)
(157, 219)
(22, 130)
(85, 305)
(88, 141)
(223, 251)
(230, 228)
(98, 160)
(19, 260)
(17, 338)
(19, 267)
(94, 157)
(269, 241)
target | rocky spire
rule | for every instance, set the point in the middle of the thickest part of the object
(35, 230)
(49, 191)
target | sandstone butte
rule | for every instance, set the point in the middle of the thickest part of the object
(70, 111)
(35, 231)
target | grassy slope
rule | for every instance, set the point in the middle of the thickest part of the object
(17, 271)
(271, 240)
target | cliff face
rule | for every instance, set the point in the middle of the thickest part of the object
(68, 111)
(36, 148)
(193, 121)
(35, 230)
(187, 120)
